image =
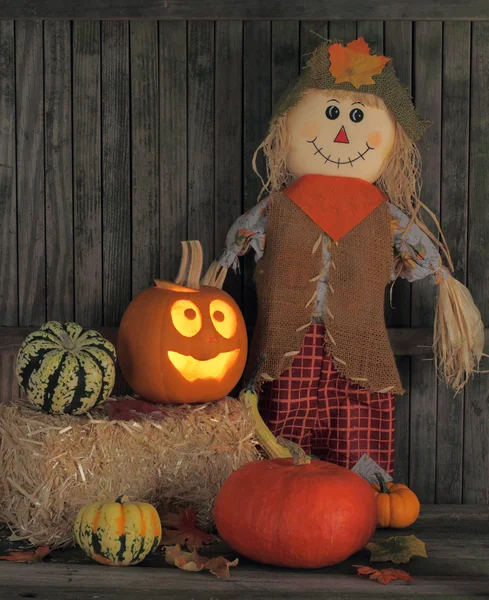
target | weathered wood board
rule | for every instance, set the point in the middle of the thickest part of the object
(457, 567)
(120, 138)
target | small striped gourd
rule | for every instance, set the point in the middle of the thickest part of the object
(118, 533)
(64, 369)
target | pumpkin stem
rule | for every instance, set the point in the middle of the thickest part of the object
(298, 455)
(67, 342)
(383, 486)
(190, 265)
(122, 499)
(214, 276)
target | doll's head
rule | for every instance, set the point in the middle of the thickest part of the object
(347, 115)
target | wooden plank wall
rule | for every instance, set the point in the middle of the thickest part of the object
(120, 138)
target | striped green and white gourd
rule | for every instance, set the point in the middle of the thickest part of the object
(64, 368)
(119, 533)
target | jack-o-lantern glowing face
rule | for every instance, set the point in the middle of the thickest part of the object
(180, 345)
(339, 133)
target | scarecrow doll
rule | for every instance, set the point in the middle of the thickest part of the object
(340, 221)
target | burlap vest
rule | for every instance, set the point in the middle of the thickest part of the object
(286, 280)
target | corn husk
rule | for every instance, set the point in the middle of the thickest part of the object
(51, 465)
(458, 341)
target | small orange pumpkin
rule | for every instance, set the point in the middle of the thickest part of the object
(180, 342)
(398, 505)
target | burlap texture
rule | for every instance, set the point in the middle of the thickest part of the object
(387, 86)
(284, 287)
(355, 324)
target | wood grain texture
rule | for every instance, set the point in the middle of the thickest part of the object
(454, 207)
(312, 34)
(424, 382)
(58, 146)
(476, 424)
(30, 172)
(9, 388)
(200, 152)
(246, 9)
(285, 65)
(373, 33)
(398, 45)
(257, 93)
(343, 30)
(173, 144)
(145, 189)
(228, 157)
(116, 184)
(87, 165)
(9, 296)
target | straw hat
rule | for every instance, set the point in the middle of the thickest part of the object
(334, 66)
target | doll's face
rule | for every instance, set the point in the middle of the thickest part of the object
(334, 134)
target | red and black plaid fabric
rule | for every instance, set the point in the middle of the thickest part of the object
(325, 413)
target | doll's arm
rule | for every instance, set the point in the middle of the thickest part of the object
(458, 336)
(247, 232)
(415, 255)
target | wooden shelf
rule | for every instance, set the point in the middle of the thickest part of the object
(457, 543)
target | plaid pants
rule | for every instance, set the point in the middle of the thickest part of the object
(325, 413)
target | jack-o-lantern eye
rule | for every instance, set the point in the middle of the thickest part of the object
(224, 318)
(186, 317)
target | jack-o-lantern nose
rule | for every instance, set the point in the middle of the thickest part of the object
(211, 339)
(342, 138)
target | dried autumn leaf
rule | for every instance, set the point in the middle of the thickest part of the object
(397, 549)
(384, 576)
(219, 566)
(181, 528)
(192, 561)
(187, 561)
(354, 63)
(29, 556)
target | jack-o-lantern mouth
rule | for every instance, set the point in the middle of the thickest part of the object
(350, 161)
(214, 368)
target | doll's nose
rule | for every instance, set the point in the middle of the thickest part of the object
(341, 137)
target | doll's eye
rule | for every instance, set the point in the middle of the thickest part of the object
(356, 115)
(332, 112)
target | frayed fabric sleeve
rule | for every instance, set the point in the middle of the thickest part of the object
(415, 255)
(247, 232)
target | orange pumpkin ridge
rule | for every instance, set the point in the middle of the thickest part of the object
(143, 522)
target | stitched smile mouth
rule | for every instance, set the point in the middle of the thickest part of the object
(350, 161)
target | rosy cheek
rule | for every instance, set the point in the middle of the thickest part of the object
(374, 139)
(309, 130)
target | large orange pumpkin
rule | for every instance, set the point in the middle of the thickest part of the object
(294, 512)
(180, 342)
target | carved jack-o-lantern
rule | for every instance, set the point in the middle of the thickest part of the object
(181, 342)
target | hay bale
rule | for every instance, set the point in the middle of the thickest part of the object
(51, 465)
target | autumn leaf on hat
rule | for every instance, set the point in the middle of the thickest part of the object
(354, 63)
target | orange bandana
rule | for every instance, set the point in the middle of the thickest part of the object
(336, 204)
